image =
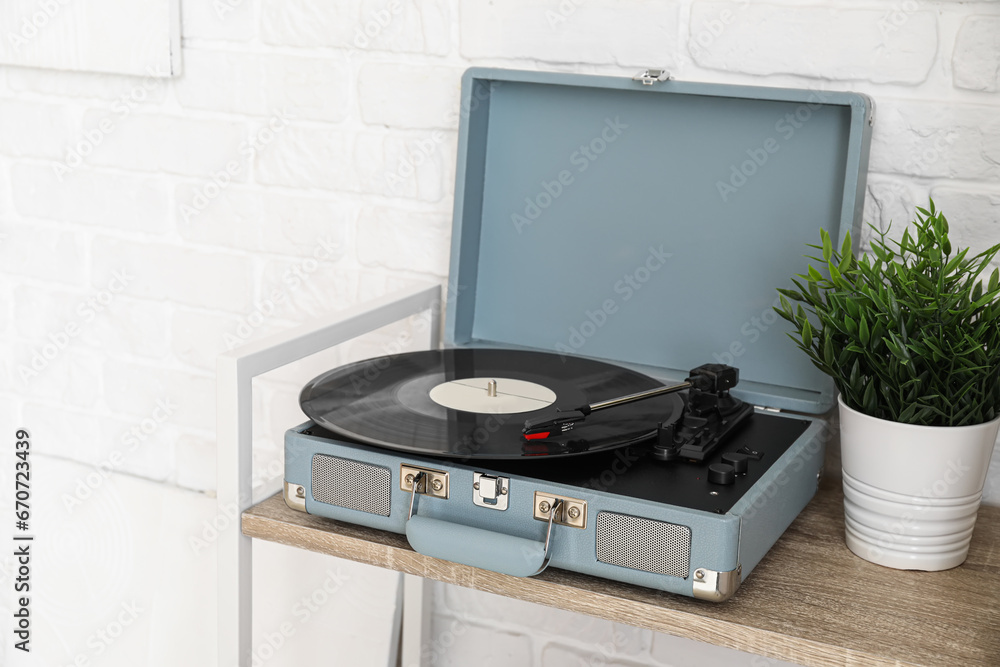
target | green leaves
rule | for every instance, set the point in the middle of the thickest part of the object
(807, 333)
(909, 332)
(845, 248)
(827, 245)
(848, 259)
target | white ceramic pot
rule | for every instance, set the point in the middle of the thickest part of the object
(911, 493)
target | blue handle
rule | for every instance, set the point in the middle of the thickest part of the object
(506, 554)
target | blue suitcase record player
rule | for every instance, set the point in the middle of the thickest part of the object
(616, 247)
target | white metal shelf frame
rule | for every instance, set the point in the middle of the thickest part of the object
(235, 372)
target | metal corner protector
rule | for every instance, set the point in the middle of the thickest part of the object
(295, 496)
(716, 586)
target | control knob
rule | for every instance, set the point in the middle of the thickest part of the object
(721, 473)
(737, 460)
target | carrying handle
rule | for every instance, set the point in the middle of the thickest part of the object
(486, 549)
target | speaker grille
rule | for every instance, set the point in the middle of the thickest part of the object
(351, 484)
(643, 544)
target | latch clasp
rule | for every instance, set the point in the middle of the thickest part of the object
(651, 76)
(490, 491)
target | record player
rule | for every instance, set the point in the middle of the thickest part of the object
(615, 395)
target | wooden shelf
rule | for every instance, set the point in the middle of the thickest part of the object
(809, 601)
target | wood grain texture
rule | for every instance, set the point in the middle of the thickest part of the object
(809, 601)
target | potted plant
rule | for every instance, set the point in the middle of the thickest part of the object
(910, 333)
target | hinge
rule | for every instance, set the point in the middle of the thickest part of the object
(651, 76)
(434, 483)
(871, 114)
(767, 409)
(571, 512)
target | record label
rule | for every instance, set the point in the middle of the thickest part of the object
(503, 396)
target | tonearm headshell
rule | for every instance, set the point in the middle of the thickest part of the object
(711, 413)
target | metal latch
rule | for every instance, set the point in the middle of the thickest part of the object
(490, 491)
(651, 76)
(434, 482)
(571, 512)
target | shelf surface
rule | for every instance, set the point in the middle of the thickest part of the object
(810, 600)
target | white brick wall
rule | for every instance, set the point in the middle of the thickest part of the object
(397, 26)
(304, 163)
(396, 238)
(828, 42)
(262, 84)
(161, 143)
(935, 140)
(83, 84)
(127, 201)
(218, 21)
(976, 59)
(44, 251)
(262, 221)
(30, 129)
(397, 95)
(601, 32)
(538, 635)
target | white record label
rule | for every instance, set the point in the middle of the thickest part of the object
(473, 395)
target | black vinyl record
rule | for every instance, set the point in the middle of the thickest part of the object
(387, 402)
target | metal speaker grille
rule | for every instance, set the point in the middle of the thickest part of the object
(350, 484)
(643, 544)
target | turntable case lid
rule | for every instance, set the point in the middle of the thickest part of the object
(649, 225)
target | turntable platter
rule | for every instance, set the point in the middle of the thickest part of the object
(472, 403)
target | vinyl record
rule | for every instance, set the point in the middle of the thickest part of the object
(443, 403)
